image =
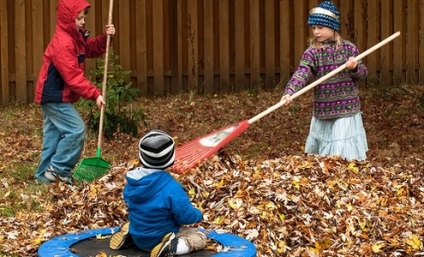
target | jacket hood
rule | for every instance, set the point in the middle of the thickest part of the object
(68, 10)
(141, 189)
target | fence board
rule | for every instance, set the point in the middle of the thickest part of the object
(412, 41)
(4, 56)
(284, 45)
(90, 24)
(301, 30)
(371, 39)
(224, 46)
(386, 52)
(20, 53)
(360, 35)
(37, 34)
(255, 61)
(400, 43)
(270, 43)
(158, 48)
(208, 41)
(421, 44)
(141, 46)
(239, 44)
(193, 38)
(209, 46)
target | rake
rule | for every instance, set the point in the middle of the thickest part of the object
(95, 167)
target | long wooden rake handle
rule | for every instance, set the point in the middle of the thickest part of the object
(323, 78)
(102, 109)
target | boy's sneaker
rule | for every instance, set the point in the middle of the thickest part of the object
(52, 174)
(120, 238)
(168, 246)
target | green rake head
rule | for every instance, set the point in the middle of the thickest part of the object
(90, 169)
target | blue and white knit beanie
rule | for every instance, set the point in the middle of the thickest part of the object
(325, 14)
(157, 150)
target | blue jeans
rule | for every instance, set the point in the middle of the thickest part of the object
(63, 138)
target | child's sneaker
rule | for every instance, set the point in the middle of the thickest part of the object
(52, 174)
(168, 246)
(120, 238)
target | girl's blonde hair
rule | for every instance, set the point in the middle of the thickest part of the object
(316, 44)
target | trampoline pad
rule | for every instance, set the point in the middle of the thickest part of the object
(92, 242)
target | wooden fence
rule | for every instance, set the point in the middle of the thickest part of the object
(209, 46)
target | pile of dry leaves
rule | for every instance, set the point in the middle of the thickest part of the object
(291, 206)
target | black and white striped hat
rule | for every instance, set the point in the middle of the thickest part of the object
(156, 150)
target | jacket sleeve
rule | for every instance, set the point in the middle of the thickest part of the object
(302, 74)
(96, 46)
(182, 209)
(361, 71)
(67, 65)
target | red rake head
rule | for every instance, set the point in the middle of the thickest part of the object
(190, 154)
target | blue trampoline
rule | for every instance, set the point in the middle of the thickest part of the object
(91, 242)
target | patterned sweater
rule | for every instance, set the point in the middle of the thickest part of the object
(338, 96)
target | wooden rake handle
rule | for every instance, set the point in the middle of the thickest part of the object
(323, 78)
(102, 109)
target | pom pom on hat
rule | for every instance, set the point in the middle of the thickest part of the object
(325, 14)
(157, 150)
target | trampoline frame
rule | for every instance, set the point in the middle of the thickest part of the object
(60, 246)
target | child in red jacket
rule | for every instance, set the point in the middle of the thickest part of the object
(61, 82)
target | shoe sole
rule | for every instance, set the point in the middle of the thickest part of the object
(118, 239)
(53, 177)
(158, 249)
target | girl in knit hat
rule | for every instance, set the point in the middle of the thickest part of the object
(336, 126)
(158, 207)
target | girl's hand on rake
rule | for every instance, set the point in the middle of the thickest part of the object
(351, 63)
(286, 99)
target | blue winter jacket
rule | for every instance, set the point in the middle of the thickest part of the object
(157, 205)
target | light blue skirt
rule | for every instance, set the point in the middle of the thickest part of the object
(343, 137)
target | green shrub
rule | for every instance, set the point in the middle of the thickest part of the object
(119, 116)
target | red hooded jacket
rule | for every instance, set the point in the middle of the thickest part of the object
(61, 78)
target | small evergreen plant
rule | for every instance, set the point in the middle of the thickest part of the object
(119, 116)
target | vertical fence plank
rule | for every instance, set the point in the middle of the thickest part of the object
(20, 52)
(158, 58)
(123, 19)
(255, 61)
(301, 29)
(208, 39)
(224, 46)
(421, 44)
(270, 44)
(285, 56)
(38, 31)
(372, 33)
(386, 51)
(141, 45)
(4, 56)
(399, 45)
(359, 19)
(412, 33)
(182, 43)
(192, 47)
(53, 15)
(240, 43)
(90, 63)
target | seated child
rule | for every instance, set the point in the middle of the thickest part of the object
(158, 206)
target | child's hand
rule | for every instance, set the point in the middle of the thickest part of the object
(110, 30)
(351, 63)
(286, 98)
(100, 101)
